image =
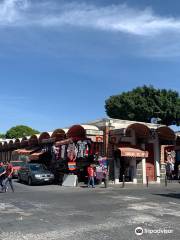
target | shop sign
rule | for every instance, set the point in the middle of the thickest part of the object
(121, 132)
(96, 138)
(48, 140)
(94, 132)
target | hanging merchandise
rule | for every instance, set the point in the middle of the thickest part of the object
(56, 151)
(72, 152)
(63, 151)
(72, 166)
(91, 151)
(103, 162)
(87, 151)
(83, 148)
(99, 173)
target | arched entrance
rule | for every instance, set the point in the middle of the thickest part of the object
(33, 140)
(43, 136)
(76, 131)
(142, 135)
(58, 134)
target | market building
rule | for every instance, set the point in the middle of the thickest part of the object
(133, 150)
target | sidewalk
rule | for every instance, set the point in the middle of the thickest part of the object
(134, 186)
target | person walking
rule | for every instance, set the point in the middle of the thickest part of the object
(91, 174)
(8, 179)
(2, 174)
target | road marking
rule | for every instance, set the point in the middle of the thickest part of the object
(8, 208)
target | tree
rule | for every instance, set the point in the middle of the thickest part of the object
(144, 103)
(2, 135)
(20, 131)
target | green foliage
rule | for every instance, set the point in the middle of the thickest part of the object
(2, 135)
(20, 131)
(143, 103)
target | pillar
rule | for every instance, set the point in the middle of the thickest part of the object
(116, 170)
(144, 170)
(157, 158)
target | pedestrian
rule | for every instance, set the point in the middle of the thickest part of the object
(91, 174)
(8, 179)
(2, 174)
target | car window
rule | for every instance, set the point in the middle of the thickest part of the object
(18, 164)
(37, 167)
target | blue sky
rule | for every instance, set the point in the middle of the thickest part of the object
(60, 60)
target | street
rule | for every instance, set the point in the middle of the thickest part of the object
(52, 212)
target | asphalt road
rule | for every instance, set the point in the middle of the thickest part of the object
(58, 213)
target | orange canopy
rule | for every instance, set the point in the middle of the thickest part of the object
(35, 155)
(133, 152)
(24, 151)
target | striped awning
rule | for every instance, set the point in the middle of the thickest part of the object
(133, 152)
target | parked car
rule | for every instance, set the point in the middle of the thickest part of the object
(35, 173)
(17, 165)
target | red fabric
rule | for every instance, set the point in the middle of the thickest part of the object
(90, 171)
(9, 170)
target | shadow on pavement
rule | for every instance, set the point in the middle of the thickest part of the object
(172, 195)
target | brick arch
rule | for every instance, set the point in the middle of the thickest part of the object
(5, 146)
(17, 143)
(166, 133)
(11, 144)
(44, 135)
(140, 129)
(59, 134)
(24, 142)
(33, 140)
(76, 131)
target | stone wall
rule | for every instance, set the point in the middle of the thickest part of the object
(139, 172)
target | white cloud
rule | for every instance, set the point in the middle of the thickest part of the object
(117, 18)
(151, 30)
(10, 11)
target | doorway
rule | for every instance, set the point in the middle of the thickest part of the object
(150, 166)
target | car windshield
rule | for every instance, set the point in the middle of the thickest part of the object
(18, 164)
(37, 167)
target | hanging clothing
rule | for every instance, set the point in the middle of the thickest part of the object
(72, 152)
(83, 148)
(63, 151)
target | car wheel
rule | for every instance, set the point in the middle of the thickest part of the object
(29, 181)
(19, 178)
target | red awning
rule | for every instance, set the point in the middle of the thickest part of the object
(133, 152)
(35, 155)
(24, 151)
(64, 142)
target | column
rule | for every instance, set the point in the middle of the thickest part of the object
(157, 158)
(143, 166)
(144, 170)
(116, 170)
(133, 166)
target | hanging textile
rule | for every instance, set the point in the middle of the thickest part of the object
(72, 166)
(72, 152)
(63, 151)
(83, 148)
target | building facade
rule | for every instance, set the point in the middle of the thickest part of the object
(135, 150)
